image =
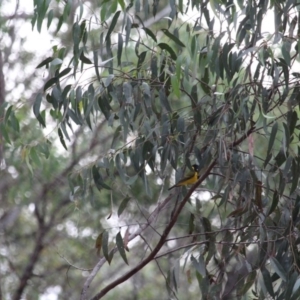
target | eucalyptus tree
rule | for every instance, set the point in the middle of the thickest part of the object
(153, 88)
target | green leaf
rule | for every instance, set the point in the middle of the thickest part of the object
(4, 133)
(85, 59)
(274, 202)
(127, 90)
(35, 158)
(41, 10)
(199, 265)
(141, 59)
(64, 72)
(175, 85)
(131, 180)
(60, 22)
(155, 7)
(295, 176)
(98, 179)
(120, 246)
(119, 167)
(285, 50)
(112, 25)
(164, 100)
(191, 224)
(104, 106)
(278, 268)
(166, 47)
(44, 148)
(296, 210)
(286, 137)
(108, 80)
(56, 94)
(116, 137)
(36, 109)
(49, 83)
(113, 6)
(76, 36)
(105, 237)
(96, 65)
(150, 33)
(296, 287)
(81, 10)
(28, 164)
(45, 62)
(292, 121)
(7, 114)
(128, 30)
(123, 205)
(122, 4)
(61, 138)
(50, 18)
(248, 284)
(120, 48)
(173, 37)
(268, 282)
(66, 92)
(74, 117)
(272, 137)
(205, 82)
(64, 130)
(14, 122)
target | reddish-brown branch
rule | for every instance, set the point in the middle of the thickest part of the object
(31, 264)
(161, 242)
(169, 227)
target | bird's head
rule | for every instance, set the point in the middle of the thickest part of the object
(195, 168)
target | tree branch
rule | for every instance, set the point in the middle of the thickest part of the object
(101, 262)
(167, 230)
(160, 243)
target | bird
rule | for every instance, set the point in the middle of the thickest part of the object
(189, 179)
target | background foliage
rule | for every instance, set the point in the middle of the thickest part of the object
(129, 96)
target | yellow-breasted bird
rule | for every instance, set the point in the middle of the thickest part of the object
(188, 179)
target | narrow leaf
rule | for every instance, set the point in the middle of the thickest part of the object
(127, 90)
(142, 57)
(268, 281)
(120, 246)
(50, 18)
(61, 138)
(278, 268)
(112, 25)
(258, 194)
(98, 244)
(120, 48)
(98, 179)
(272, 136)
(122, 4)
(7, 114)
(123, 205)
(105, 236)
(173, 37)
(49, 83)
(85, 59)
(274, 202)
(44, 62)
(199, 265)
(164, 100)
(166, 47)
(175, 85)
(64, 72)
(36, 109)
(150, 33)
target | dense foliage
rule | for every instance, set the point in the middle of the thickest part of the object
(136, 92)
